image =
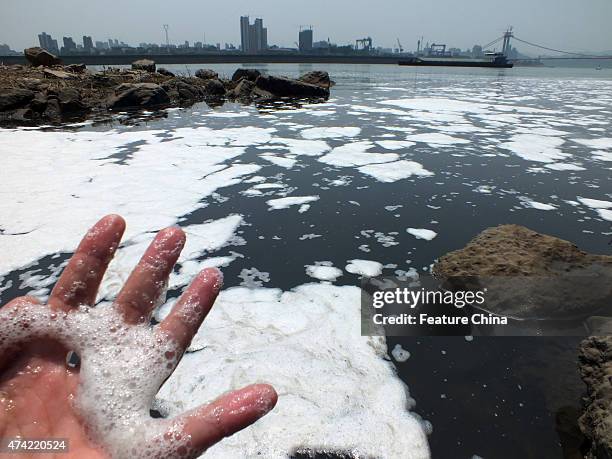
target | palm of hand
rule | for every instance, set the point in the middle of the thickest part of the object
(40, 394)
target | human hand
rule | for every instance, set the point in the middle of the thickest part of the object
(102, 405)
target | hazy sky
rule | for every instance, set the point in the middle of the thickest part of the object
(565, 24)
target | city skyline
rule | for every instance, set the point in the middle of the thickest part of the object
(574, 27)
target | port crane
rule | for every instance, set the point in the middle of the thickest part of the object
(399, 46)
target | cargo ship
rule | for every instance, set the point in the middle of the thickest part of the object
(492, 60)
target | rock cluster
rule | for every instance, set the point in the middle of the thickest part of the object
(47, 92)
(596, 371)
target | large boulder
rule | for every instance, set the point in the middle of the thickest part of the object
(243, 91)
(75, 68)
(286, 87)
(528, 275)
(165, 72)
(41, 57)
(138, 95)
(146, 65)
(246, 74)
(318, 78)
(596, 371)
(12, 99)
(70, 101)
(214, 88)
(206, 74)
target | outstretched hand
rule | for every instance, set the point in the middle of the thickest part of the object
(101, 406)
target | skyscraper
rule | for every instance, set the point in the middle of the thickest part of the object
(87, 43)
(254, 37)
(69, 44)
(47, 42)
(306, 39)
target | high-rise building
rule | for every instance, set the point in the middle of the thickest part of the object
(244, 34)
(253, 37)
(69, 45)
(47, 42)
(305, 41)
(87, 43)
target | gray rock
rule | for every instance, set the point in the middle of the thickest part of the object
(214, 88)
(165, 72)
(529, 275)
(41, 57)
(53, 111)
(15, 98)
(318, 78)
(246, 74)
(286, 87)
(146, 65)
(206, 74)
(138, 95)
(595, 361)
(70, 101)
(75, 68)
(243, 91)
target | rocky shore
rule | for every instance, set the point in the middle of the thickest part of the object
(47, 92)
(506, 260)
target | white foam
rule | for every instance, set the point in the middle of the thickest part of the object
(605, 214)
(595, 203)
(422, 233)
(330, 132)
(284, 203)
(597, 144)
(335, 388)
(565, 167)
(537, 205)
(159, 183)
(323, 272)
(400, 354)
(356, 154)
(365, 268)
(437, 139)
(304, 147)
(533, 147)
(398, 170)
(281, 161)
(395, 144)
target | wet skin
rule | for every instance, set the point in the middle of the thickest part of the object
(37, 387)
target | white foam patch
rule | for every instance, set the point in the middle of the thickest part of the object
(400, 354)
(303, 147)
(323, 272)
(395, 144)
(538, 148)
(335, 388)
(597, 144)
(365, 268)
(565, 167)
(602, 155)
(330, 132)
(437, 139)
(537, 205)
(356, 154)
(595, 203)
(439, 105)
(398, 170)
(284, 203)
(159, 183)
(281, 161)
(422, 233)
(605, 214)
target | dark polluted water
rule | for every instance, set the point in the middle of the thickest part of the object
(277, 198)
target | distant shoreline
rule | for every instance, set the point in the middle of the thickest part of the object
(161, 59)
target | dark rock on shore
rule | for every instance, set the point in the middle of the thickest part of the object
(15, 98)
(41, 57)
(33, 95)
(165, 72)
(206, 74)
(145, 65)
(246, 74)
(286, 87)
(529, 275)
(318, 78)
(138, 95)
(596, 370)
